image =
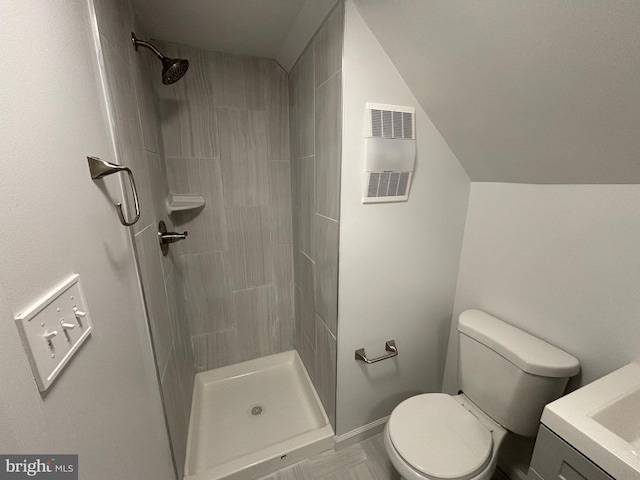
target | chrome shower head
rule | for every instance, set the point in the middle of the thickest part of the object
(173, 69)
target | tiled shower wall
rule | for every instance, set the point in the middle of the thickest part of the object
(316, 125)
(129, 82)
(226, 293)
(225, 128)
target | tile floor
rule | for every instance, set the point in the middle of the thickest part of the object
(366, 460)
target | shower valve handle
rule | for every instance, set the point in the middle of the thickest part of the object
(166, 238)
(172, 237)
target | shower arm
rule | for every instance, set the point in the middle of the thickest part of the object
(173, 69)
(142, 43)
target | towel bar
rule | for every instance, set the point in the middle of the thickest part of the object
(390, 346)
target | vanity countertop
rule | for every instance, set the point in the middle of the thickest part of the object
(602, 421)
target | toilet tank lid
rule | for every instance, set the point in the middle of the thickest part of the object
(527, 352)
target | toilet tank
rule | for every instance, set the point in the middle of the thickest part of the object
(509, 374)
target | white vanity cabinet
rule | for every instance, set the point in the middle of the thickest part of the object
(555, 459)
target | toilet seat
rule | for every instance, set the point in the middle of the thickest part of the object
(439, 438)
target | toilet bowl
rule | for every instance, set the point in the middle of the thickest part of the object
(507, 377)
(458, 441)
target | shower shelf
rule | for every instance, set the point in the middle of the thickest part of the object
(178, 203)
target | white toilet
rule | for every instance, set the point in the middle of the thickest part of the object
(507, 377)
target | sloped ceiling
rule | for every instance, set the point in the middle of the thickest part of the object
(278, 29)
(523, 91)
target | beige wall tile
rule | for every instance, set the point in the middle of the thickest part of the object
(295, 186)
(244, 156)
(214, 349)
(296, 241)
(188, 127)
(299, 335)
(308, 356)
(254, 82)
(249, 255)
(293, 132)
(326, 369)
(326, 233)
(156, 172)
(282, 264)
(199, 345)
(305, 127)
(284, 315)
(301, 78)
(307, 204)
(328, 141)
(307, 300)
(256, 325)
(277, 106)
(225, 76)
(280, 203)
(207, 303)
(328, 46)
(181, 337)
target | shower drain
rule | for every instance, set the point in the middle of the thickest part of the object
(256, 410)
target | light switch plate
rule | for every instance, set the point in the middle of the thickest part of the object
(53, 328)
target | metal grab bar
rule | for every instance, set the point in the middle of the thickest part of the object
(101, 168)
(390, 346)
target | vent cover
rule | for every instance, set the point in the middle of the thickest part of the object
(390, 152)
(387, 187)
(390, 121)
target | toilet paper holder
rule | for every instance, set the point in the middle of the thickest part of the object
(389, 346)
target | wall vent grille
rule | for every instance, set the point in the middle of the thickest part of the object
(386, 187)
(390, 121)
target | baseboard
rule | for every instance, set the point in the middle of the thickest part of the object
(360, 434)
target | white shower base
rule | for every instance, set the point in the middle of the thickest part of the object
(253, 418)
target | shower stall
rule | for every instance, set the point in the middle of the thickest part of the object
(242, 313)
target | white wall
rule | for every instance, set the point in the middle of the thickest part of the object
(398, 262)
(561, 262)
(56, 221)
(529, 92)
